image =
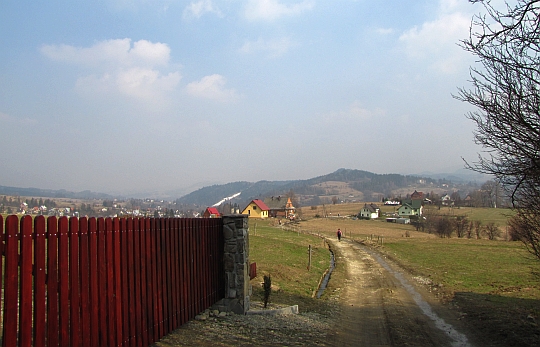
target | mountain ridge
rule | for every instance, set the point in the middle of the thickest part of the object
(342, 184)
(355, 184)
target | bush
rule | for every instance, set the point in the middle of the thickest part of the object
(267, 286)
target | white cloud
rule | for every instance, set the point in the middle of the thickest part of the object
(111, 53)
(198, 9)
(269, 10)
(120, 67)
(212, 87)
(437, 40)
(274, 47)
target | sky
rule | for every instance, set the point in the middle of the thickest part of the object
(121, 96)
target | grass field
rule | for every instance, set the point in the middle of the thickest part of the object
(459, 265)
(284, 256)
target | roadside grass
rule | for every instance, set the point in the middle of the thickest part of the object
(283, 255)
(499, 216)
(467, 265)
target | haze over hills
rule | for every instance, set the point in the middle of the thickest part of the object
(343, 184)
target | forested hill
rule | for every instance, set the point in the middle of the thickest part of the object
(343, 184)
(51, 193)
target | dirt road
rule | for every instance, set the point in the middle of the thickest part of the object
(382, 306)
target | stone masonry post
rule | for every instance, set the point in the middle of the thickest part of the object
(235, 265)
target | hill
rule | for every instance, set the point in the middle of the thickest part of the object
(51, 193)
(345, 185)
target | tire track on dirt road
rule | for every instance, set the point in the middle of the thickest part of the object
(381, 308)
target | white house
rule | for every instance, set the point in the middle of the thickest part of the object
(370, 211)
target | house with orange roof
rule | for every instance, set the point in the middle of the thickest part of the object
(280, 207)
(256, 209)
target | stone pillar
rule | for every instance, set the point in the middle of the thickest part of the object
(235, 265)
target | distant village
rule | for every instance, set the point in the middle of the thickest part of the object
(281, 207)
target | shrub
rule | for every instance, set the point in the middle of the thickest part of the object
(267, 286)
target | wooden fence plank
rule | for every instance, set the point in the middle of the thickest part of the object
(111, 300)
(25, 285)
(102, 283)
(11, 281)
(149, 226)
(159, 283)
(52, 282)
(124, 273)
(137, 291)
(167, 277)
(143, 231)
(84, 275)
(185, 303)
(174, 276)
(131, 283)
(74, 327)
(116, 235)
(63, 280)
(196, 268)
(2, 254)
(191, 269)
(154, 256)
(94, 269)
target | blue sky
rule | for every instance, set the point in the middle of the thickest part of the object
(140, 96)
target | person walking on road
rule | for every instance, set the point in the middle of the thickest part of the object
(339, 235)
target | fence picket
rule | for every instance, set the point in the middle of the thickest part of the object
(11, 281)
(2, 255)
(84, 273)
(143, 233)
(153, 281)
(63, 280)
(102, 283)
(159, 269)
(174, 276)
(25, 285)
(94, 281)
(167, 276)
(124, 274)
(74, 327)
(116, 231)
(52, 282)
(137, 279)
(111, 300)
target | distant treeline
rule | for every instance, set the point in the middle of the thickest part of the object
(50, 193)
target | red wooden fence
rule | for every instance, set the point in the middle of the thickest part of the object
(105, 281)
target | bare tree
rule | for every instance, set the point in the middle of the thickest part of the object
(443, 227)
(492, 231)
(519, 228)
(506, 92)
(492, 194)
(456, 198)
(461, 224)
(470, 229)
(478, 229)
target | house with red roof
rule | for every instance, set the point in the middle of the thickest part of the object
(256, 209)
(211, 212)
